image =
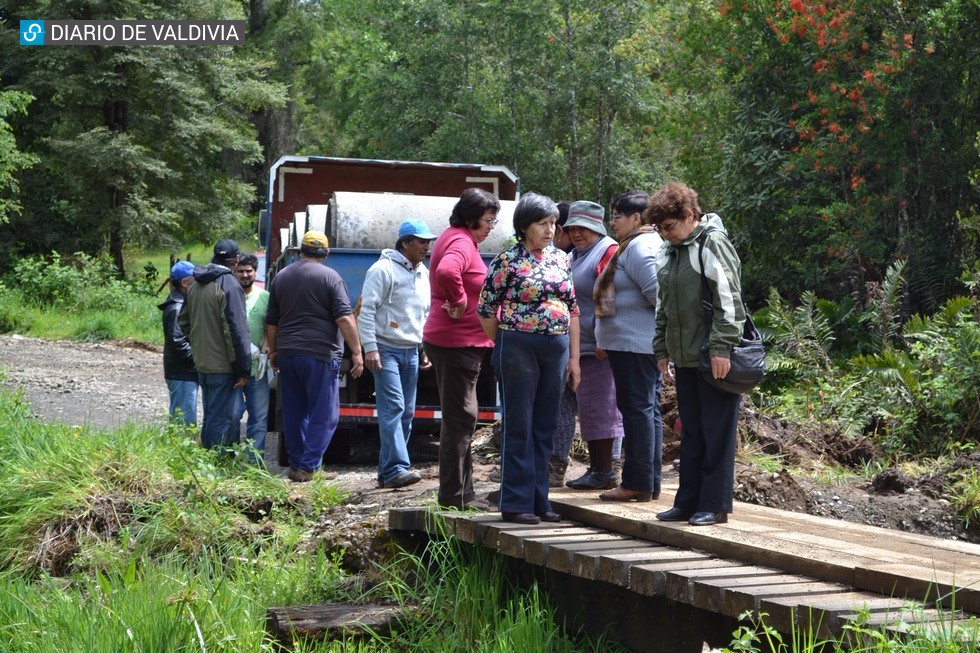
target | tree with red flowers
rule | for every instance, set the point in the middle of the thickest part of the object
(850, 142)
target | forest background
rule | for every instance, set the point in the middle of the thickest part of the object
(838, 139)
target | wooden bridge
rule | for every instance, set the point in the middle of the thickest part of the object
(809, 571)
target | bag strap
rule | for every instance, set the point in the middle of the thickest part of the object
(707, 307)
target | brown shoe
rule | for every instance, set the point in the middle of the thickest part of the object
(623, 494)
(299, 475)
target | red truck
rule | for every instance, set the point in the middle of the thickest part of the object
(359, 204)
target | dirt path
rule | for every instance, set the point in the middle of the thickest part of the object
(107, 384)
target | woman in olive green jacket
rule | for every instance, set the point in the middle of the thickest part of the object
(709, 415)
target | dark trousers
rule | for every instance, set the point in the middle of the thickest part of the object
(531, 370)
(710, 419)
(457, 369)
(310, 396)
(638, 398)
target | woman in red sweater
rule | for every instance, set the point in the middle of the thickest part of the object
(454, 340)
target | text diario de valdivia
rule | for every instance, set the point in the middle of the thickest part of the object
(216, 32)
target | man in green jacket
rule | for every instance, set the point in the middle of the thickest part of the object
(214, 321)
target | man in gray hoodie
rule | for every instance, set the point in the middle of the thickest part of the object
(214, 320)
(394, 307)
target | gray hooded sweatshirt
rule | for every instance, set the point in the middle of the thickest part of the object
(394, 303)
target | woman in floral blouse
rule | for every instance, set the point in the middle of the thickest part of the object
(528, 309)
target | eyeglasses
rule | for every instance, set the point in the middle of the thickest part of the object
(667, 228)
(490, 223)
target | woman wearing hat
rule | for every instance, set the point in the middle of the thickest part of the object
(599, 420)
(528, 308)
(625, 299)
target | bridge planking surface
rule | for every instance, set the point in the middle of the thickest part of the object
(797, 568)
(864, 557)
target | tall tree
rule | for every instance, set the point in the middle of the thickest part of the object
(12, 160)
(849, 141)
(138, 144)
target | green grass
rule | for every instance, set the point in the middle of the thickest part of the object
(136, 539)
(137, 260)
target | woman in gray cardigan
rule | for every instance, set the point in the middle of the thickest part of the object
(626, 305)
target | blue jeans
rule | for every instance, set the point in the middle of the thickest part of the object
(183, 398)
(531, 369)
(394, 390)
(219, 397)
(254, 398)
(309, 390)
(638, 384)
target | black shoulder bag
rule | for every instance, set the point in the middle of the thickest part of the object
(748, 357)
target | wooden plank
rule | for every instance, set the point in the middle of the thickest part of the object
(651, 579)
(473, 529)
(725, 540)
(684, 586)
(536, 549)
(586, 564)
(406, 519)
(511, 540)
(792, 588)
(961, 589)
(496, 529)
(615, 568)
(820, 614)
(560, 555)
(330, 621)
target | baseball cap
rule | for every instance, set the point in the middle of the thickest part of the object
(181, 270)
(417, 228)
(315, 239)
(225, 248)
(588, 215)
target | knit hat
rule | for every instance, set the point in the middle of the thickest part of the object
(417, 228)
(315, 240)
(587, 214)
(181, 270)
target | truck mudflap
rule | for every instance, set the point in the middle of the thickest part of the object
(368, 413)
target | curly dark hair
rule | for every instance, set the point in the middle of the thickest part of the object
(672, 202)
(249, 259)
(472, 204)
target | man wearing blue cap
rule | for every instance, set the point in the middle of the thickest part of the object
(178, 364)
(393, 309)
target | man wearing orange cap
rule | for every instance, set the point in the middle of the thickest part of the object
(308, 321)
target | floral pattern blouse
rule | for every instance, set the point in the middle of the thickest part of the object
(529, 291)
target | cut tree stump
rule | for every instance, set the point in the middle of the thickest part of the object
(331, 621)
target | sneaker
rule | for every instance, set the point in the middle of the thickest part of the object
(404, 479)
(494, 475)
(299, 475)
(593, 480)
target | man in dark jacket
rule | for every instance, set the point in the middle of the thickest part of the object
(214, 319)
(178, 364)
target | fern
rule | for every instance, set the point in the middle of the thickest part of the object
(884, 316)
(803, 336)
